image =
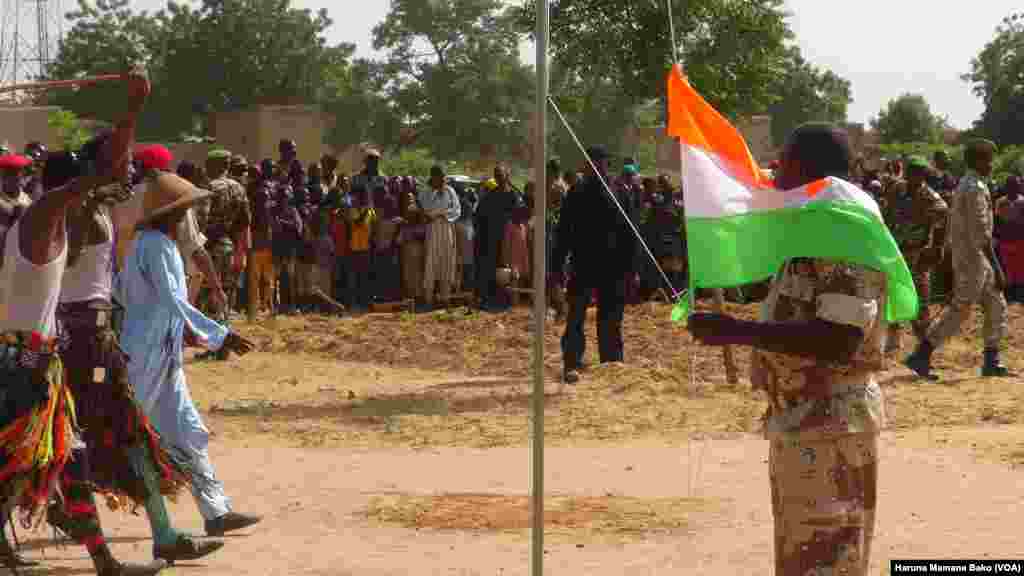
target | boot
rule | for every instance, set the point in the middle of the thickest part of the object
(229, 523)
(921, 361)
(992, 367)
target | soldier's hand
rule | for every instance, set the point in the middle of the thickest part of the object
(237, 344)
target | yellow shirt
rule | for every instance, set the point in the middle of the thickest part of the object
(360, 225)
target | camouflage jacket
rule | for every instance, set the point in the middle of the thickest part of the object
(226, 212)
(914, 217)
(971, 221)
(852, 402)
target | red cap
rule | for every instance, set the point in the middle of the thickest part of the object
(154, 157)
(14, 161)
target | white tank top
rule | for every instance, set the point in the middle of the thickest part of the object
(31, 292)
(92, 275)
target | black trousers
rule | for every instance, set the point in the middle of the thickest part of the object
(611, 305)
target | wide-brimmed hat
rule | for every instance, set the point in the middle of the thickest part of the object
(165, 194)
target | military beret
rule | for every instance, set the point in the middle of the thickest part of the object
(917, 161)
(219, 154)
(14, 161)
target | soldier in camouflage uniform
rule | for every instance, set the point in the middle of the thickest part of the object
(816, 352)
(978, 277)
(225, 218)
(913, 213)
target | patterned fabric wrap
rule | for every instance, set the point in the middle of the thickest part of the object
(112, 422)
(37, 420)
(226, 212)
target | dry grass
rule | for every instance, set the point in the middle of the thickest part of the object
(564, 516)
(450, 379)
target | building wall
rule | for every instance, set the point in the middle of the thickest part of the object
(255, 132)
(21, 125)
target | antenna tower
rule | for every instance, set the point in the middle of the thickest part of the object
(29, 36)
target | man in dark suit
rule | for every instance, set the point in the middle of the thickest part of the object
(601, 245)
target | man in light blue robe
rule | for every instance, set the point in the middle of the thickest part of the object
(158, 318)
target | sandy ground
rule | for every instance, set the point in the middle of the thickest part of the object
(934, 503)
(320, 435)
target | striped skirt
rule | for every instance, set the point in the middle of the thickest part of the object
(439, 258)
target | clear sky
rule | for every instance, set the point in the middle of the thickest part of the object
(884, 47)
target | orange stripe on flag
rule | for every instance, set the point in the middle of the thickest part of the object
(817, 186)
(698, 124)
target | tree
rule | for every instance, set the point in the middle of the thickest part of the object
(361, 108)
(806, 94)
(731, 51)
(454, 74)
(69, 129)
(997, 77)
(908, 119)
(219, 55)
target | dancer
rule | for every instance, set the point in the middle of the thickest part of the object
(125, 455)
(158, 319)
(37, 422)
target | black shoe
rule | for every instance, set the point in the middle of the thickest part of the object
(56, 517)
(116, 568)
(10, 558)
(921, 361)
(186, 549)
(571, 377)
(229, 523)
(993, 368)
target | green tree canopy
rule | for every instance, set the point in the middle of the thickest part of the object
(806, 93)
(731, 51)
(908, 118)
(454, 75)
(997, 77)
(217, 55)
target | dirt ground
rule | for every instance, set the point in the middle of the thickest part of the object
(400, 445)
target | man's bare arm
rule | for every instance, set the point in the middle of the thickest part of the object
(818, 339)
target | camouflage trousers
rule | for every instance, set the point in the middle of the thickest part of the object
(221, 254)
(922, 276)
(974, 283)
(823, 502)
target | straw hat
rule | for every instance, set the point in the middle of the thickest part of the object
(166, 193)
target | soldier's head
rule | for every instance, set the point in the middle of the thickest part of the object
(813, 151)
(217, 163)
(979, 154)
(436, 177)
(941, 160)
(600, 157)
(187, 170)
(917, 172)
(239, 167)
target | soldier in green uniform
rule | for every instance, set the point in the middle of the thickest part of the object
(914, 213)
(978, 277)
(225, 218)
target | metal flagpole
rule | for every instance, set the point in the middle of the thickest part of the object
(540, 308)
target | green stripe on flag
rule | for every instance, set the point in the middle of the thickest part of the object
(747, 248)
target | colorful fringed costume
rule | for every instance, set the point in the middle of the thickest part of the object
(37, 420)
(112, 422)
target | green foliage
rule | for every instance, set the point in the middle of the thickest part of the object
(806, 94)
(411, 162)
(214, 55)
(454, 75)
(361, 108)
(732, 51)
(70, 132)
(1009, 160)
(908, 119)
(997, 77)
